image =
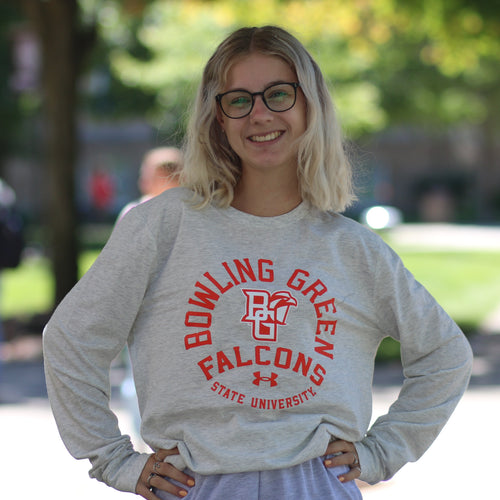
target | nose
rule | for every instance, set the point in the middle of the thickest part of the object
(260, 110)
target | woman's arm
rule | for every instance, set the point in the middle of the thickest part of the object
(86, 332)
(437, 361)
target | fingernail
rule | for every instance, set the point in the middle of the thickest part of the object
(341, 479)
(190, 482)
(328, 462)
(183, 493)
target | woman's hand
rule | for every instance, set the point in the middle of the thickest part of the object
(345, 454)
(155, 474)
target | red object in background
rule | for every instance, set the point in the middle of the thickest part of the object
(102, 190)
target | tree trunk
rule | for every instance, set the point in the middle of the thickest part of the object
(62, 48)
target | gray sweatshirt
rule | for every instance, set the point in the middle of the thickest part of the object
(252, 342)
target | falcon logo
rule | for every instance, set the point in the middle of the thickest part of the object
(265, 311)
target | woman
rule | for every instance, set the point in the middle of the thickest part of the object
(252, 309)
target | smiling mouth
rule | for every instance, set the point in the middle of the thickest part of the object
(265, 138)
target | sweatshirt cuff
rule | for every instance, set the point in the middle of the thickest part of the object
(367, 463)
(126, 476)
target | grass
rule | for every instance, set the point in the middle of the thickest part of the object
(26, 290)
(29, 289)
(466, 284)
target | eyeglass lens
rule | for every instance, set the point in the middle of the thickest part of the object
(239, 103)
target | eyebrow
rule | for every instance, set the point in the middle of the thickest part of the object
(270, 84)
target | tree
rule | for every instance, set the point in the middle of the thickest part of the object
(64, 44)
(432, 63)
(66, 39)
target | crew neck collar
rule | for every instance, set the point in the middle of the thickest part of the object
(293, 215)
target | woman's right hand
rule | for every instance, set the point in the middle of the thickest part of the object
(156, 473)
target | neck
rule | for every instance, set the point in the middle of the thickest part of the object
(264, 198)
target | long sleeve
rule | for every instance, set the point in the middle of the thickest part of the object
(436, 360)
(87, 331)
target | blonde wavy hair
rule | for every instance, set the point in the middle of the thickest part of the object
(212, 169)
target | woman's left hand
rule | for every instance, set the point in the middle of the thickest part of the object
(345, 454)
(157, 474)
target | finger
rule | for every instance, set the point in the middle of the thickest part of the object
(354, 473)
(161, 483)
(161, 454)
(157, 474)
(344, 453)
(144, 485)
(145, 492)
(339, 446)
(168, 470)
(337, 460)
(145, 488)
(344, 449)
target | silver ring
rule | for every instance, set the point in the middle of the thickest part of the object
(157, 465)
(356, 460)
(151, 476)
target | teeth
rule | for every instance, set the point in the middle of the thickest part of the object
(264, 138)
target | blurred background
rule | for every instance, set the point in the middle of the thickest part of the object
(88, 86)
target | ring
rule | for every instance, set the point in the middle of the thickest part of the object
(356, 460)
(157, 465)
(151, 476)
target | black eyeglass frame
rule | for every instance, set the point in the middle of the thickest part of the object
(295, 86)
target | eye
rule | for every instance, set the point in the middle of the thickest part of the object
(279, 93)
(238, 100)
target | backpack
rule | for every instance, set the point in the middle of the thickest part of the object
(11, 237)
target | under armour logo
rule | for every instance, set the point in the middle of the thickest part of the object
(265, 311)
(259, 378)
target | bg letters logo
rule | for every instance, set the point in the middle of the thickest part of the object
(265, 311)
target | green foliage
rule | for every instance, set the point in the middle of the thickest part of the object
(428, 62)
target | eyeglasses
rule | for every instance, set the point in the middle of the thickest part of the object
(239, 103)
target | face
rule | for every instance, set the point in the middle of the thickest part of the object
(264, 140)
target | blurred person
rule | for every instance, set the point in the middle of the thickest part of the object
(253, 310)
(160, 169)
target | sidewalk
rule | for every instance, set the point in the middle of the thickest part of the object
(463, 461)
(447, 236)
